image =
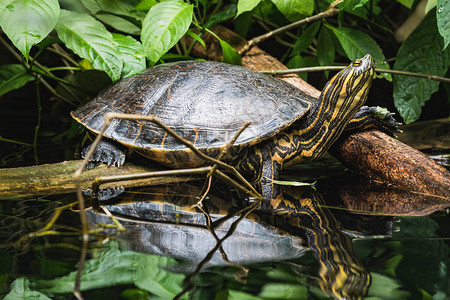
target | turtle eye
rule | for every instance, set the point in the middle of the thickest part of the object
(357, 62)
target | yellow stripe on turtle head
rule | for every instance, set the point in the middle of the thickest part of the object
(348, 88)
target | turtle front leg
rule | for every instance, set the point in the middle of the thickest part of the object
(373, 117)
(107, 153)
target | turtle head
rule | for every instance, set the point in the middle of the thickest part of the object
(347, 91)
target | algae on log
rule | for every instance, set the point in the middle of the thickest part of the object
(57, 178)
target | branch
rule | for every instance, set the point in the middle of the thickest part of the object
(338, 68)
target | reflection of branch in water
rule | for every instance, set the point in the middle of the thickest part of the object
(210, 254)
(341, 271)
(199, 206)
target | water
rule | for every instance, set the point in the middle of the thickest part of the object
(330, 241)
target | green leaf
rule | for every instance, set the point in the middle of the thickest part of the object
(292, 183)
(20, 290)
(239, 295)
(164, 25)
(28, 22)
(224, 14)
(443, 20)
(152, 276)
(407, 3)
(356, 44)
(295, 9)
(306, 38)
(246, 5)
(360, 4)
(230, 55)
(421, 53)
(89, 39)
(284, 291)
(145, 5)
(132, 54)
(197, 38)
(384, 287)
(13, 77)
(117, 14)
(325, 48)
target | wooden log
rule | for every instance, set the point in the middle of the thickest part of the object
(57, 178)
(377, 155)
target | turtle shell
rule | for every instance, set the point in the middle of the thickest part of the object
(205, 102)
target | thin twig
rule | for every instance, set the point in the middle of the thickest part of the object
(255, 41)
(338, 68)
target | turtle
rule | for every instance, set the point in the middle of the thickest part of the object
(208, 102)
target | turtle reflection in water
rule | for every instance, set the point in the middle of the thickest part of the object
(170, 226)
(207, 103)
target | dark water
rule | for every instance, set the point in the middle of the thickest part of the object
(317, 243)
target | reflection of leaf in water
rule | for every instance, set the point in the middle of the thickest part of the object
(384, 287)
(20, 289)
(115, 267)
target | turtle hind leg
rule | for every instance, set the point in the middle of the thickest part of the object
(373, 117)
(106, 152)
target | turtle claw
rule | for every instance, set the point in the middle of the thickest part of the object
(104, 194)
(389, 124)
(106, 153)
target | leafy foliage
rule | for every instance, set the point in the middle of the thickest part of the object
(421, 52)
(121, 38)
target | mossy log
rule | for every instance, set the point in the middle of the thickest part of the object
(57, 178)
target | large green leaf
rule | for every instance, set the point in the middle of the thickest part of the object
(28, 22)
(422, 53)
(356, 44)
(295, 9)
(443, 20)
(246, 5)
(13, 77)
(89, 39)
(132, 54)
(164, 25)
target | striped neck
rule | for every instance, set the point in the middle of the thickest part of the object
(341, 98)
